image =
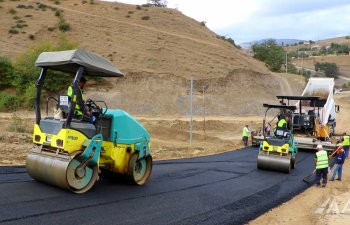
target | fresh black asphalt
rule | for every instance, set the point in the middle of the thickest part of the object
(220, 189)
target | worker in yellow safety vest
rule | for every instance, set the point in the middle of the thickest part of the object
(321, 162)
(282, 123)
(79, 100)
(346, 143)
(245, 134)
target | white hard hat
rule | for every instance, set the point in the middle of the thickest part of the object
(319, 146)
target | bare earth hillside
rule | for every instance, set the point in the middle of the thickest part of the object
(158, 49)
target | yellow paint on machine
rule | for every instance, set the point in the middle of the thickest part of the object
(116, 157)
(278, 149)
(72, 140)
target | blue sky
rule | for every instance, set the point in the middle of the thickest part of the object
(248, 20)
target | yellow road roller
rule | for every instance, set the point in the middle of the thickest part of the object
(71, 149)
(278, 151)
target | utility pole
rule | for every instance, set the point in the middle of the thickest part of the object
(191, 113)
(203, 90)
(286, 62)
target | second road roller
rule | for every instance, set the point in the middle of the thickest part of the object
(82, 139)
(277, 150)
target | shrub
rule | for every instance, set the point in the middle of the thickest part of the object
(28, 15)
(127, 16)
(16, 17)
(58, 13)
(50, 29)
(42, 6)
(31, 36)
(145, 18)
(29, 96)
(6, 70)
(21, 25)
(20, 6)
(8, 102)
(347, 37)
(138, 7)
(57, 2)
(116, 8)
(63, 25)
(130, 12)
(84, 2)
(13, 31)
(12, 11)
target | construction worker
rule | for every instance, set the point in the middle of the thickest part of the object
(79, 99)
(321, 163)
(245, 134)
(282, 123)
(346, 143)
(339, 161)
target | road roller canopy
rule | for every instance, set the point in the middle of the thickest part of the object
(69, 62)
(289, 107)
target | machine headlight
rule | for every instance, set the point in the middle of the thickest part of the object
(48, 139)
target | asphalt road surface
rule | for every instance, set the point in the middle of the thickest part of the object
(220, 189)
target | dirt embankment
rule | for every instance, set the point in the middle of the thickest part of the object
(241, 92)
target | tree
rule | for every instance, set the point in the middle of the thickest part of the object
(272, 54)
(25, 73)
(330, 69)
(158, 3)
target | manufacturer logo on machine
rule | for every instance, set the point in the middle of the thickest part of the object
(72, 138)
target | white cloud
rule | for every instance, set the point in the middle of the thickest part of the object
(218, 14)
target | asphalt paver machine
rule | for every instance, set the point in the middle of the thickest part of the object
(70, 152)
(278, 151)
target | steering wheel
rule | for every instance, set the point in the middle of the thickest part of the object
(94, 108)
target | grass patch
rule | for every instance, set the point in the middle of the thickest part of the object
(16, 125)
